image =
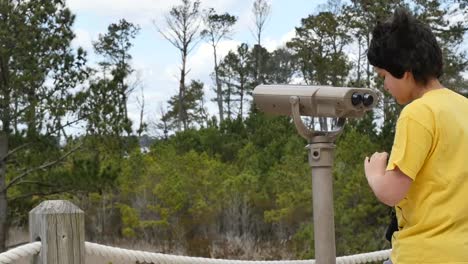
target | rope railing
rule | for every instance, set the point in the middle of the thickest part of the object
(115, 253)
(134, 256)
(23, 251)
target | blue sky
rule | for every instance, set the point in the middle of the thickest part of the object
(157, 61)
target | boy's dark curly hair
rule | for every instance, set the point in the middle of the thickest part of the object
(403, 44)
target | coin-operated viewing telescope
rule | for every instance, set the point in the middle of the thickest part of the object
(318, 101)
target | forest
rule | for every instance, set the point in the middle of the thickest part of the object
(230, 184)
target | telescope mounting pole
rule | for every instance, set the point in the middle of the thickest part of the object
(321, 155)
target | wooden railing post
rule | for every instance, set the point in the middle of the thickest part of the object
(59, 225)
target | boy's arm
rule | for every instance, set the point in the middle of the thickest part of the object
(390, 187)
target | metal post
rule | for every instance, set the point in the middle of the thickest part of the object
(321, 150)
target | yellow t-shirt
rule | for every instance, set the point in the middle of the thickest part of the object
(431, 147)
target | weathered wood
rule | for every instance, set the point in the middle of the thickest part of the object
(59, 225)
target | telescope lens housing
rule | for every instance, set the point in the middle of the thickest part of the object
(367, 99)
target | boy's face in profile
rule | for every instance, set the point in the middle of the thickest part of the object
(400, 89)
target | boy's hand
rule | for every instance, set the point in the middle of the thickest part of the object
(390, 187)
(375, 166)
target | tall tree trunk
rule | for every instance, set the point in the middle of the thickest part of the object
(182, 117)
(219, 91)
(241, 111)
(323, 123)
(6, 119)
(258, 68)
(368, 64)
(15, 115)
(124, 91)
(124, 102)
(3, 193)
(228, 99)
(142, 112)
(5, 93)
(31, 114)
(359, 62)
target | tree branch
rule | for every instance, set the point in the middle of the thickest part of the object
(37, 183)
(42, 167)
(17, 149)
(172, 39)
(13, 151)
(19, 197)
(66, 125)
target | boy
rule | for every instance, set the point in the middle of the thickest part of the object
(426, 177)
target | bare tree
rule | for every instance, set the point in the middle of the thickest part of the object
(182, 31)
(218, 27)
(141, 105)
(164, 125)
(261, 10)
(134, 84)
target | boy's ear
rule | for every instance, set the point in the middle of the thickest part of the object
(408, 75)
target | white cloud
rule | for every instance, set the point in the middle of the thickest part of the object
(245, 22)
(118, 7)
(170, 73)
(271, 44)
(82, 39)
(152, 79)
(141, 12)
(200, 63)
(288, 36)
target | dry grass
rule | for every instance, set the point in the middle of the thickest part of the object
(17, 236)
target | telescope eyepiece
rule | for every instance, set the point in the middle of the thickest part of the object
(356, 99)
(367, 100)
